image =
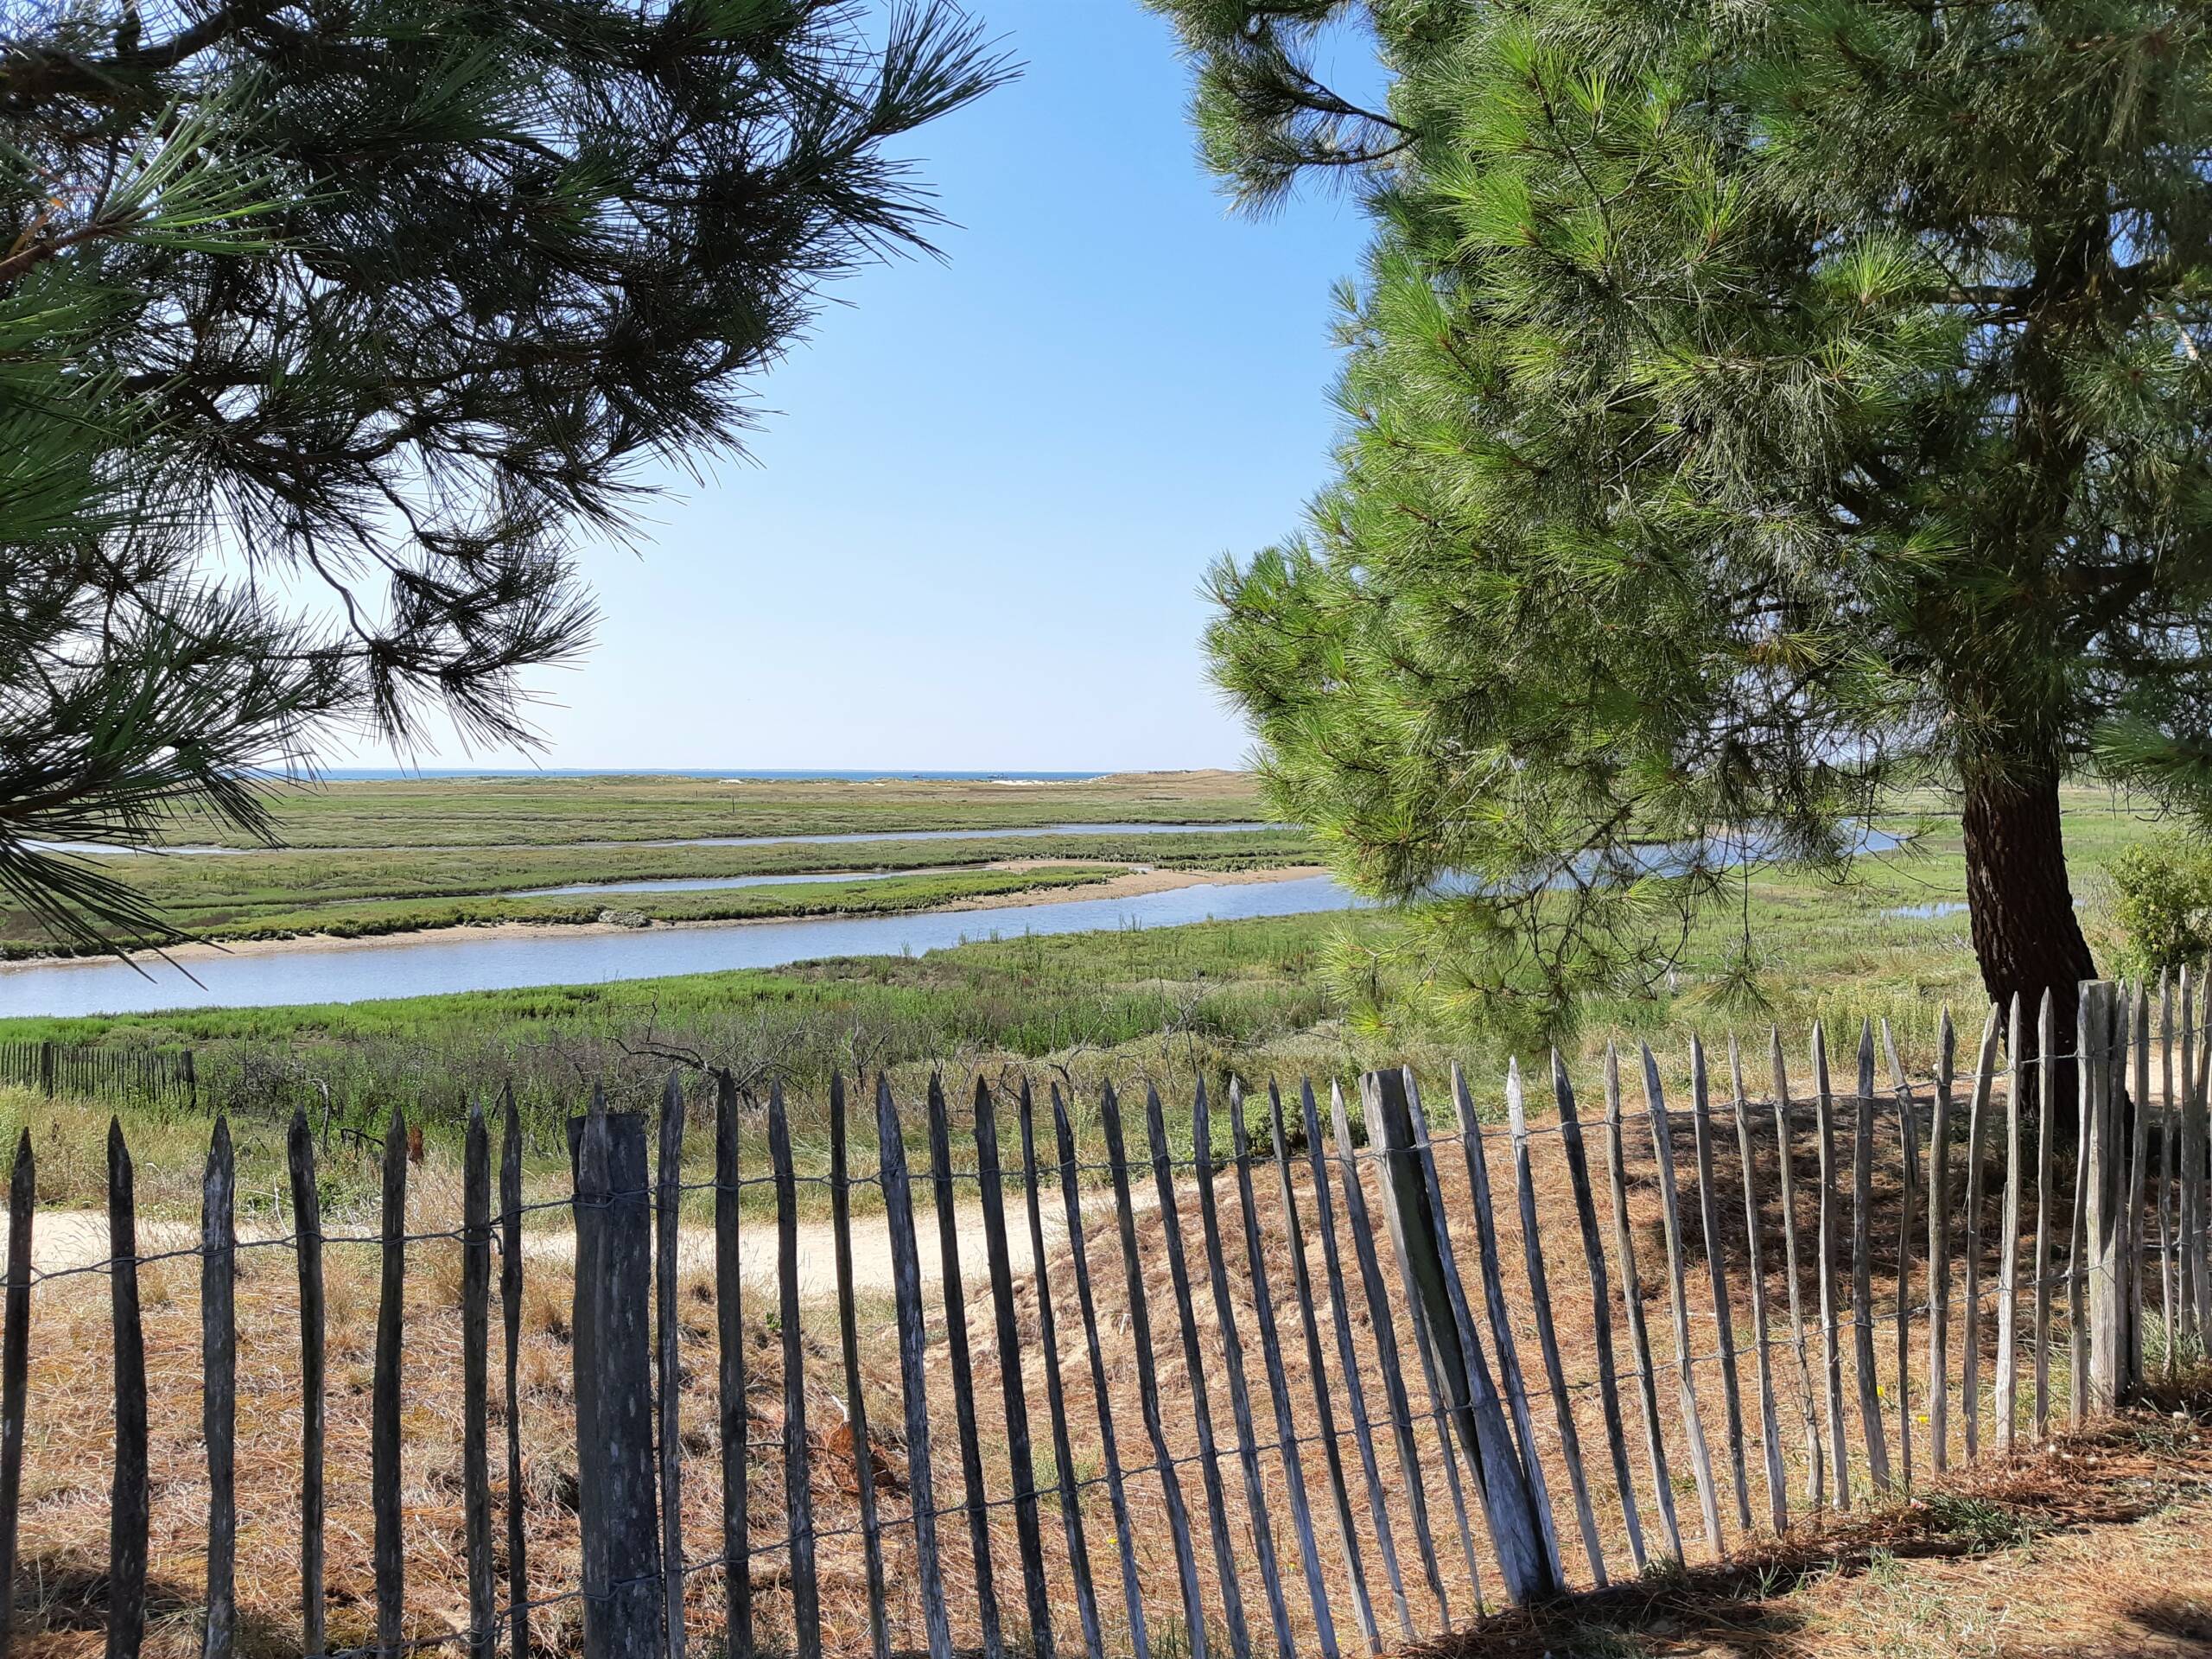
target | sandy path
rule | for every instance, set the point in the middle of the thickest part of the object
(76, 1241)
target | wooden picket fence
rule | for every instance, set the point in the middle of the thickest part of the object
(1415, 1353)
(101, 1072)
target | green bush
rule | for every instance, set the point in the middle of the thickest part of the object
(2164, 902)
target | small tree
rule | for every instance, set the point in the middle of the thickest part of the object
(326, 330)
(1748, 410)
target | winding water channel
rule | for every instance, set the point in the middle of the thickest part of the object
(462, 959)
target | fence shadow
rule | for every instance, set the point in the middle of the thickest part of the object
(63, 1591)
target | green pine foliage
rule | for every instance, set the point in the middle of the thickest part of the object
(1747, 409)
(329, 330)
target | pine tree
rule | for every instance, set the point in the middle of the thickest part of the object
(1748, 411)
(328, 331)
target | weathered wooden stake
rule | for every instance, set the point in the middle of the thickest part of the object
(1263, 1309)
(476, 1401)
(848, 1345)
(1178, 1278)
(1382, 1325)
(511, 1320)
(1021, 1459)
(1316, 1373)
(1862, 1268)
(218, 1360)
(729, 1395)
(1831, 1346)
(2103, 1018)
(1170, 1484)
(1939, 1257)
(1348, 1356)
(1116, 1491)
(1647, 1374)
(613, 1357)
(2046, 1153)
(798, 1472)
(128, 1501)
(1663, 1149)
(2137, 1124)
(1786, 1163)
(1540, 1293)
(668, 1198)
(1086, 1594)
(389, 1548)
(952, 1285)
(1601, 1307)
(306, 1245)
(1518, 1506)
(1908, 1145)
(913, 1342)
(1716, 1270)
(1778, 1491)
(1435, 1300)
(2008, 1258)
(1978, 1112)
(1232, 1359)
(2169, 1138)
(16, 1359)
(2181, 1102)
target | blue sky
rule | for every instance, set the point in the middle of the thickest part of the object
(987, 488)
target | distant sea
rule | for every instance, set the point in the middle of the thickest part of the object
(858, 774)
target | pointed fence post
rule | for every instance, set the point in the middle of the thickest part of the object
(907, 1290)
(1862, 1266)
(1939, 1261)
(668, 1198)
(1786, 1166)
(613, 1354)
(476, 1384)
(1662, 1151)
(307, 1236)
(1828, 1222)
(1639, 1335)
(219, 1361)
(15, 1371)
(1978, 1112)
(2103, 1023)
(2008, 1242)
(1601, 1309)
(129, 1495)
(387, 1548)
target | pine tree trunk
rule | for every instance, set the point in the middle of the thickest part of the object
(2025, 933)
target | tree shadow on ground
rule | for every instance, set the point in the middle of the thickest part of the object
(65, 1591)
(1750, 1607)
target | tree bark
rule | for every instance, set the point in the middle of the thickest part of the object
(2027, 935)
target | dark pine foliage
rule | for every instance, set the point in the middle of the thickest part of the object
(329, 328)
(1749, 409)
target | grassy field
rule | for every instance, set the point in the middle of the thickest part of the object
(452, 853)
(556, 812)
(1252, 998)
(2092, 1547)
(352, 894)
(2092, 1544)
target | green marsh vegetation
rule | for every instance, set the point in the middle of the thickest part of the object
(1282, 998)
(506, 811)
(275, 913)
(379, 857)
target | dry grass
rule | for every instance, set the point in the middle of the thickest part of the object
(62, 1594)
(65, 1504)
(2091, 1548)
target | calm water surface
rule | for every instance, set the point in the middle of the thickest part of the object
(455, 961)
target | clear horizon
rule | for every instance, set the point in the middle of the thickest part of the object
(986, 490)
